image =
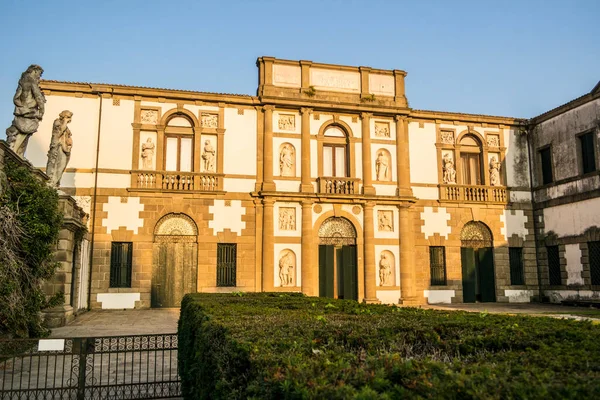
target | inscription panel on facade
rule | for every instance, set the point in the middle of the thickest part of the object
(339, 81)
(287, 75)
(381, 84)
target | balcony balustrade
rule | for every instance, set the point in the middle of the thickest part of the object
(177, 181)
(474, 193)
(338, 185)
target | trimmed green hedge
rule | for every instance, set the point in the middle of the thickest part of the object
(282, 346)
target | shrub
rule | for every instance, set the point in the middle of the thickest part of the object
(272, 346)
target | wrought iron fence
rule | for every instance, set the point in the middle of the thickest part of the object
(114, 367)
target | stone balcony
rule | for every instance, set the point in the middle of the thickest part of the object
(474, 194)
(338, 185)
(177, 181)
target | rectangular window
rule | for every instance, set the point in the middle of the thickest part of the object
(594, 257)
(179, 154)
(226, 264)
(120, 264)
(515, 256)
(334, 160)
(588, 157)
(471, 168)
(437, 265)
(546, 158)
(553, 265)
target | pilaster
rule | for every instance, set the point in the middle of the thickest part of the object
(366, 154)
(306, 186)
(310, 272)
(403, 158)
(369, 259)
(407, 257)
(268, 184)
(267, 246)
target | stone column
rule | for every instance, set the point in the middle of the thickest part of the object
(370, 284)
(267, 246)
(309, 266)
(268, 184)
(306, 186)
(366, 154)
(402, 157)
(407, 257)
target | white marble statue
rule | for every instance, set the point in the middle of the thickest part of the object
(385, 270)
(148, 154)
(286, 161)
(286, 269)
(60, 148)
(494, 172)
(449, 171)
(208, 155)
(382, 166)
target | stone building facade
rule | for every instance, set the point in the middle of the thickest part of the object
(326, 182)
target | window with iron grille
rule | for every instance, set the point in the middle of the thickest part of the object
(546, 158)
(120, 264)
(588, 158)
(226, 264)
(515, 257)
(437, 264)
(594, 257)
(553, 265)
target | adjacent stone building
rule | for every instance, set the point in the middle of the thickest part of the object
(326, 182)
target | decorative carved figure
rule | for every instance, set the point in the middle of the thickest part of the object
(148, 154)
(287, 265)
(494, 172)
(382, 129)
(287, 218)
(286, 160)
(382, 166)
(29, 110)
(209, 155)
(385, 221)
(447, 137)
(60, 148)
(449, 171)
(149, 116)
(287, 122)
(385, 270)
(493, 141)
(209, 121)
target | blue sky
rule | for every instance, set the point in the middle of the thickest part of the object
(511, 58)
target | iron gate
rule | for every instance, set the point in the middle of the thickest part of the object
(113, 367)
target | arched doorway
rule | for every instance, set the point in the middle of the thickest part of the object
(477, 259)
(338, 271)
(175, 260)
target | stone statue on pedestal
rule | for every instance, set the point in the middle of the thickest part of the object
(60, 148)
(29, 110)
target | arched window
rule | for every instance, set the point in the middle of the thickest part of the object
(335, 150)
(470, 159)
(179, 144)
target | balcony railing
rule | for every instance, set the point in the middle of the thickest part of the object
(177, 181)
(474, 194)
(336, 185)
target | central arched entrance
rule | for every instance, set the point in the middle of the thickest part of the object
(477, 259)
(338, 270)
(175, 260)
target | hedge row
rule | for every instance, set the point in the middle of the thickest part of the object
(281, 346)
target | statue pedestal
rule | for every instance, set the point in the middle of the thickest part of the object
(58, 316)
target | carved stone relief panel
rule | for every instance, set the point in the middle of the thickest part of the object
(387, 269)
(383, 171)
(209, 153)
(149, 116)
(449, 170)
(287, 218)
(447, 137)
(382, 129)
(287, 268)
(385, 220)
(286, 122)
(287, 160)
(210, 120)
(493, 140)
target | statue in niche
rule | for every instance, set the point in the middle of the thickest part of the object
(208, 155)
(382, 166)
(385, 222)
(494, 172)
(148, 154)
(287, 219)
(286, 161)
(385, 270)
(449, 171)
(29, 110)
(286, 269)
(60, 148)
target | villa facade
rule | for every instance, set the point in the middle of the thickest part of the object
(326, 183)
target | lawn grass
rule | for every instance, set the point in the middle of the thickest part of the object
(282, 346)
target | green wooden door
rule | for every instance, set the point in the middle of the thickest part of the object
(348, 274)
(326, 254)
(487, 282)
(469, 264)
